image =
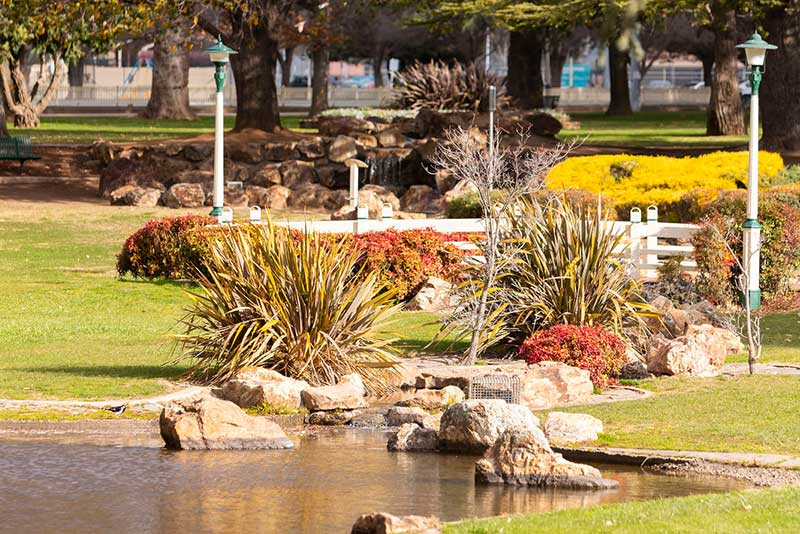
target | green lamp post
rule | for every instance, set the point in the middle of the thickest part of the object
(756, 49)
(220, 55)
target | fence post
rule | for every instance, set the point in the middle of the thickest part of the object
(634, 238)
(652, 236)
(387, 212)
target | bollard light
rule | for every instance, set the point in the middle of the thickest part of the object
(220, 55)
(755, 49)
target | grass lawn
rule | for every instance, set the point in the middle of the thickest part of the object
(87, 129)
(741, 414)
(775, 510)
(648, 129)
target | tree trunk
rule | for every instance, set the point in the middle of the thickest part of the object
(286, 66)
(524, 82)
(779, 104)
(377, 68)
(618, 79)
(76, 71)
(557, 61)
(725, 114)
(320, 59)
(26, 106)
(3, 126)
(708, 69)
(169, 94)
(254, 72)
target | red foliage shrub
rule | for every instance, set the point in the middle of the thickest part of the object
(592, 348)
(166, 248)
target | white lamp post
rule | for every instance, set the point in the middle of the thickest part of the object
(756, 49)
(219, 54)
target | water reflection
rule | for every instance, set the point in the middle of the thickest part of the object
(319, 487)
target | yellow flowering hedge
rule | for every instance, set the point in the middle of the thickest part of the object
(643, 180)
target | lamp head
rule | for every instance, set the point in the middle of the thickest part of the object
(218, 52)
(756, 50)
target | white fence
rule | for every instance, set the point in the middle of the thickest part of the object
(300, 97)
(646, 245)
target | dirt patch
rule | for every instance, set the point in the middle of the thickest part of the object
(762, 477)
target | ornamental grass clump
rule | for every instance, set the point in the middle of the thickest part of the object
(592, 348)
(299, 306)
(437, 85)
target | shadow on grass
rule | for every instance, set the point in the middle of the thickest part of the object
(115, 371)
(421, 346)
(161, 282)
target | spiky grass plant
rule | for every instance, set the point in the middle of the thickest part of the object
(298, 305)
(439, 86)
(559, 265)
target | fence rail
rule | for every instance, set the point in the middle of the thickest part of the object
(300, 97)
(646, 245)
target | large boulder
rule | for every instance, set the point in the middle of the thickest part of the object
(548, 384)
(402, 415)
(526, 459)
(544, 124)
(211, 423)
(564, 428)
(312, 147)
(412, 437)
(244, 152)
(295, 173)
(132, 195)
(462, 188)
(316, 196)
(342, 148)
(280, 151)
(434, 399)
(333, 126)
(334, 418)
(184, 196)
(197, 152)
(385, 196)
(435, 295)
(700, 352)
(474, 425)
(348, 394)
(268, 197)
(421, 199)
(266, 175)
(383, 523)
(255, 386)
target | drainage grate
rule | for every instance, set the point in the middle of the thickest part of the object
(495, 387)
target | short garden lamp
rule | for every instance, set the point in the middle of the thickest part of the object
(219, 54)
(756, 50)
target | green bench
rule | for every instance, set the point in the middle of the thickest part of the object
(17, 148)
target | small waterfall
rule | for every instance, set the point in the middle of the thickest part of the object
(384, 170)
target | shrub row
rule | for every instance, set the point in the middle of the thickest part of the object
(178, 247)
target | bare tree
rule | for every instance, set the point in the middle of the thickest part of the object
(501, 174)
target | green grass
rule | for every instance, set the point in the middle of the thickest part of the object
(679, 129)
(40, 414)
(775, 510)
(755, 414)
(781, 339)
(87, 129)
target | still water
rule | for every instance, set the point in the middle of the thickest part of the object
(319, 487)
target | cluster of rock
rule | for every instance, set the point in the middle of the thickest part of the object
(383, 523)
(302, 171)
(515, 448)
(690, 340)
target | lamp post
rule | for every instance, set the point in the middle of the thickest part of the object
(756, 49)
(219, 54)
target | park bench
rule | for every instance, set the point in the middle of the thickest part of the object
(17, 148)
(551, 101)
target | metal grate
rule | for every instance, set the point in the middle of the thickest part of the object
(495, 387)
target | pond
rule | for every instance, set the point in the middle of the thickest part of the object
(319, 487)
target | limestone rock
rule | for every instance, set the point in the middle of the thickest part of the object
(244, 152)
(332, 126)
(253, 386)
(700, 352)
(132, 195)
(401, 415)
(433, 421)
(474, 425)
(563, 427)
(235, 197)
(210, 423)
(526, 459)
(434, 399)
(197, 152)
(273, 198)
(548, 384)
(412, 437)
(445, 181)
(348, 394)
(281, 151)
(365, 140)
(421, 199)
(391, 138)
(316, 196)
(295, 173)
(266, 175)
(435, 295)
(385, 196)
(342, 148)
(312, 147)
(383, 523)
(335, 418)
(184, 196)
